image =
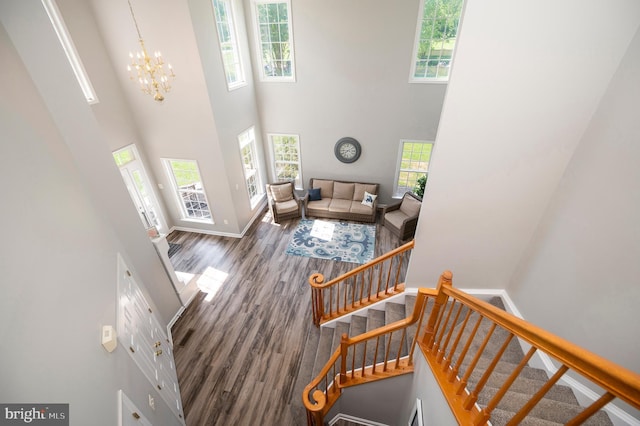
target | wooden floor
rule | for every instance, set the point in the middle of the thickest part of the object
(237, 355)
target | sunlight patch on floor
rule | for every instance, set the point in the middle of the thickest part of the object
(211, 281)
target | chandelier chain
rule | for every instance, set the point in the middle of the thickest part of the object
(134, 19)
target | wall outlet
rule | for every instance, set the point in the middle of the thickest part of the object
(226, 222)
(160, 186)
(152, 403)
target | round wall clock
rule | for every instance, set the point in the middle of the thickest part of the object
(347, 150)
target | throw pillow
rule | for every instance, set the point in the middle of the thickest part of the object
(314, 194)
(369, 199)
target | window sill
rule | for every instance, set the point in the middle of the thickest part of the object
(193, 220)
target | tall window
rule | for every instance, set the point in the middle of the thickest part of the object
(413, 163)
(185, 177)
(275, 40)
(228, 44)
(252, 179)
(435, 39)
(286, 158)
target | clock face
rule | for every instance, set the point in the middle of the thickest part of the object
(347, 150)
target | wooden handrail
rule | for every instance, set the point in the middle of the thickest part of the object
(358, 288)
(623, 383)
(366, 266)
(338, 365)
(433, 339)
(616, 381)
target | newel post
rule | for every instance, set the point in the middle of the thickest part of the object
(317, 302)
(441, 299)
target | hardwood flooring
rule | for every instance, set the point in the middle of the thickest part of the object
(237, 355)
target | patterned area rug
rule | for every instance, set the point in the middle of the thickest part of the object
(333, 240)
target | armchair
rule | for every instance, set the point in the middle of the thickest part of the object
(283, 203)
(402, 218)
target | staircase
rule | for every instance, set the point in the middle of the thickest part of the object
(557, 407)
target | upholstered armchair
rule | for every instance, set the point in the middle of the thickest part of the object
(283, 203)
(402, 218)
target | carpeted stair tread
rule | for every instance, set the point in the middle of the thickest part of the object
(409, 305)
(497, 302)
(375, 319)
(513, 354)
(395, 312)
(358, 325)
(324, 349)
(546, 409)
(500, 418)
(508, 367)
(305, 370)
(341, 328)
(523, 385)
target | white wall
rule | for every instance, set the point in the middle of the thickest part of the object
(58, 261)
(425, 387)
(524, 87)
(353, 63)
(235, 111)
(390, 396)
(583, 261)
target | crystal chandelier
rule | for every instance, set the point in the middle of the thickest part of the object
(149, 71)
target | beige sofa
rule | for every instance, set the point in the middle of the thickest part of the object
(342, 200)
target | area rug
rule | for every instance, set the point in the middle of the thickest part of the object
(333, 240)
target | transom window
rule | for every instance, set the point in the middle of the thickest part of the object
(275, 41)
(286, 158)
(251, 169)
(413, 163)
(435, 39)
(187, 184)
(228, 44)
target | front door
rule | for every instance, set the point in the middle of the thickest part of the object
(139, 187)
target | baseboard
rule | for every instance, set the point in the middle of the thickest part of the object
(172, 323)
(257, 214)
(348, 418)
(178, 315)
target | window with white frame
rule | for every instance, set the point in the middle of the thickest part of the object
(187, 184)
(286, 158)
(70, 50)
(413, 163)
(275, 39)
(251, 169)
(436, 35)
(139, 187)
(225, 24)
